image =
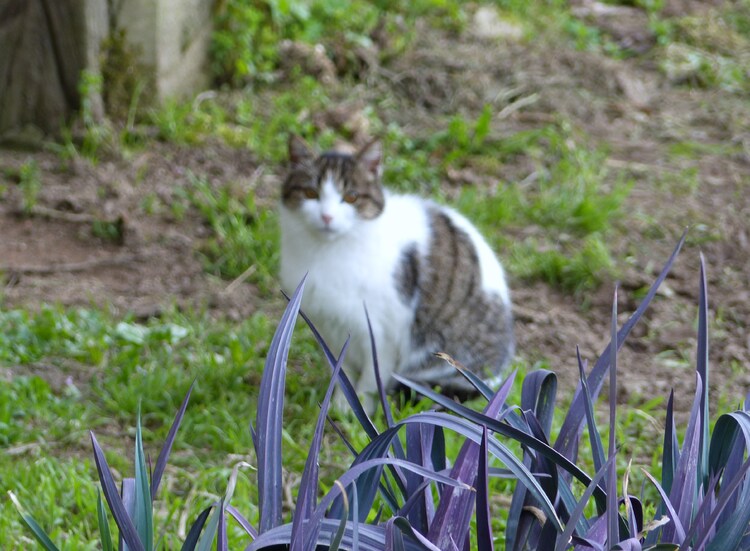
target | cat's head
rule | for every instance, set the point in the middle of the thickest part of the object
(335, 191)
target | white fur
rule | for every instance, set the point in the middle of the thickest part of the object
(351, 262)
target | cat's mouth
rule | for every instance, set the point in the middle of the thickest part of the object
(328, 231)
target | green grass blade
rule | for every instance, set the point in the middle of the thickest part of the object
(33, 525)
(104, 534)
(144, 521)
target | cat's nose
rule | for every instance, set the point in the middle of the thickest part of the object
(327, 219)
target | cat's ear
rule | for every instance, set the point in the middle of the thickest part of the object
(371, 157)
(299, 151)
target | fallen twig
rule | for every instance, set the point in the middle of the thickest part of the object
(71, 266)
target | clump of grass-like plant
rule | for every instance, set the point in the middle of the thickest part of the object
(408, 494)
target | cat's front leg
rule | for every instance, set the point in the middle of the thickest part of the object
(367, 387)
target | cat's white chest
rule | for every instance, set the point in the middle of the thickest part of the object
(349, 271)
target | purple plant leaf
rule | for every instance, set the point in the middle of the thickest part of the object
(540, 464)
(161, 461)
(538, 394)
(484, 525)
(684, 488)
(727, 451)
(630, 544)
(670, 459)
(394, 541)
(567, 439)
(346, 385)
(472, 431)
(269, 419)
(584, 544)
(506, 430)
(453, 514)
(378, 379)
(595, 439)
(116, 506)
(242, 521)
(308, 488)
(127, 493)
(355, 514)
(730, 534)
(195, 530)
(475, 381)
(677, 528)
(221, 535)
(635, 514)
(703, 370)
(417, 452)
(598, 531)
(408, 529)
(414, 498)
(357, 470)
(613, 515)
(563, 541)
(367, 485)
(371, 537)
(671, 450)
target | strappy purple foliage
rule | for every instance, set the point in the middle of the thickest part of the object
(423, 504)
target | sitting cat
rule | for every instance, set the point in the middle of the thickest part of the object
(429, 280)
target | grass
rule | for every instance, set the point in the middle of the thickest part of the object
(245, 240)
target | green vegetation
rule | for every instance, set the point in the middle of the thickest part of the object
(245, 239)
(710, 461)
(29, 180)
(72, 370)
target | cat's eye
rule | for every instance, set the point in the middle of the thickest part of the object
(311, 193)
(351, 197)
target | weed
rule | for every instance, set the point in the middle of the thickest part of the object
(30, 182)
(568, 197)
(245, 237)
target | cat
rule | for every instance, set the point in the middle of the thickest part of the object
(429, 280)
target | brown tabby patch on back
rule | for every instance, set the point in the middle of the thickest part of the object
(350, 174)
(453, 313)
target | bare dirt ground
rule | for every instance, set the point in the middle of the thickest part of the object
(52, 256)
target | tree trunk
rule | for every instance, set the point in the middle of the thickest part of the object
(45, 45)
